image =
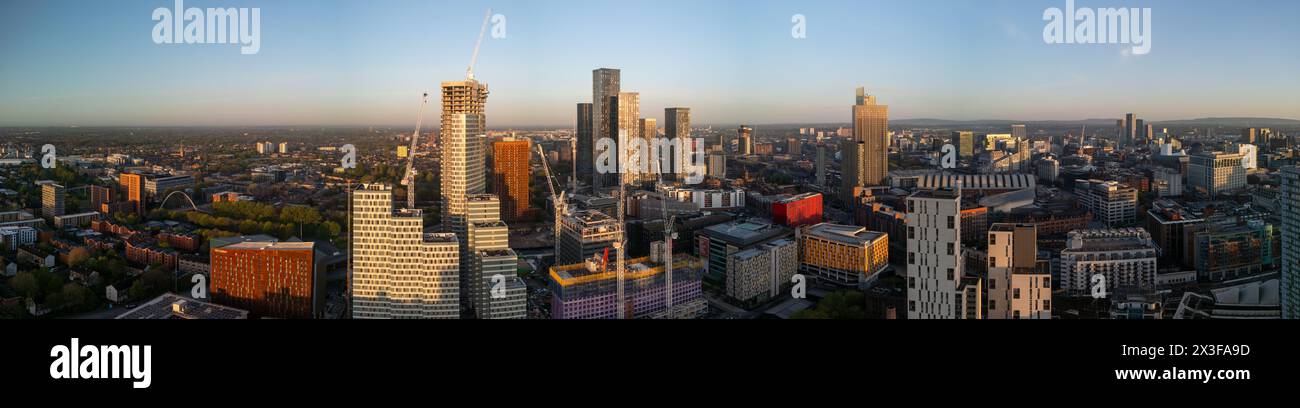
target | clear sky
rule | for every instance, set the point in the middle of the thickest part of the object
(366, 62)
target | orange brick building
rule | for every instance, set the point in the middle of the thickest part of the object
(269, 279)
(510, 176)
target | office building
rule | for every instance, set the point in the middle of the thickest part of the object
(604, 110)
(585, 145)
(797, 210)
(158, 187)
(964, 141)
(627, 127)
(1171, 226)
(1110, 202)
(866, 164)
(1210, 174)
(677, 126)
(745, 140)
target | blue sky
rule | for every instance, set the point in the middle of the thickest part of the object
(366, 62)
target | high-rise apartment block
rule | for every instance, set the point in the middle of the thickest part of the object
(510, 176)
(1018, 285)
(934, 255)
(398, 270)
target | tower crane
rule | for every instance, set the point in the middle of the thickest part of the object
(669, 236)
(473, 58)
(561, 208)
(409, 179)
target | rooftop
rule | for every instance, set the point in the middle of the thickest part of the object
(172, 306)
(847, 234)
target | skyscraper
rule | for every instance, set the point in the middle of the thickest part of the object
(934, 258)
(1128, 130)
(677, 125)
(871, 128)
(487, 241)
(745, 140)
(583, 156)
(649, 130)
(398, 270)
(510, 176)
(965, 141)
(852, 173)
(1017, 287)
(52, 196)
(627, 127)
(462, 135)
(1289, 211)
(604, 111)
(821, 164)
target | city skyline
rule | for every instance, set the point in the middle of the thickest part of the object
(348, 64)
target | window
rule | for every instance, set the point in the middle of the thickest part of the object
(911, 305)
(993, 283)
(911, 258)
(1015, 293)
(951, 274)
(1016, 314)
(1047, 304)
(911, 232)
(1047, 282)
(993, 239)
(911, 282)
(993, 261)
(949, 248)
(993, 304)
(951, 222)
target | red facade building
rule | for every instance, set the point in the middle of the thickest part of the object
(797, 211)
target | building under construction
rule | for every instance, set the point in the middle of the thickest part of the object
(587, 290)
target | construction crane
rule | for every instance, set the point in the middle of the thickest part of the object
(469, 72)
(621, 244)
(561, 208)
(409, 179)
(669, 236)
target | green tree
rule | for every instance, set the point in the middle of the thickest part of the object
(845, 304)
(25, 283)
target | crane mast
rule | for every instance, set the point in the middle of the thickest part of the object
(409, 179)
(561, 209)
(668, 242)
